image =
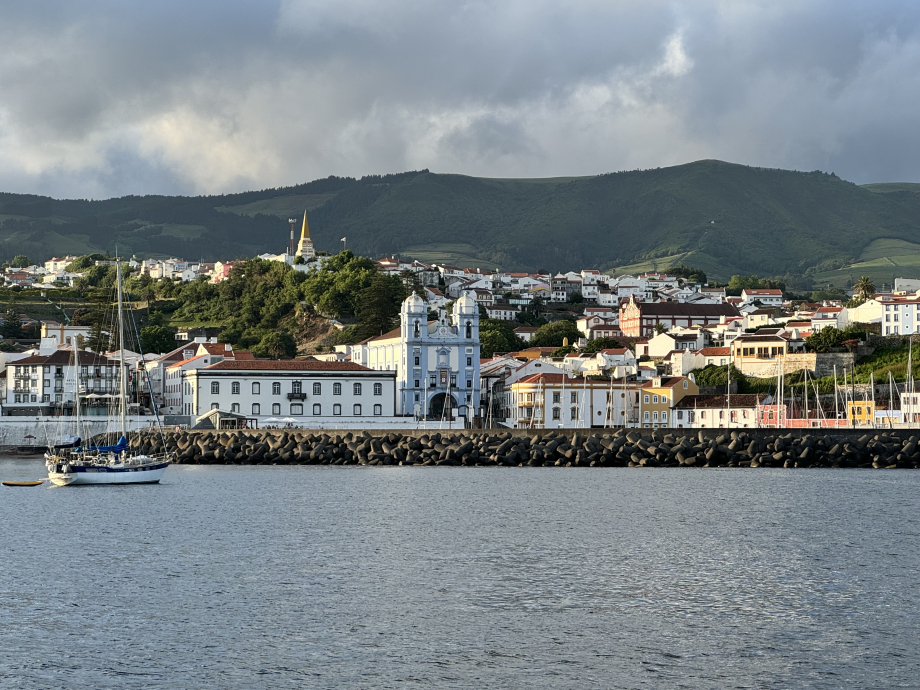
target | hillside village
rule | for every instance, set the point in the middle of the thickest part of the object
(591, 350)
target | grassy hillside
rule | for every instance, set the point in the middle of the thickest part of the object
(722, 217)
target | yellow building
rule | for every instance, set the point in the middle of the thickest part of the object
(861, 413)
(658, 397)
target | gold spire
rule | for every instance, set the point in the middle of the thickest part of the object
(305, 230)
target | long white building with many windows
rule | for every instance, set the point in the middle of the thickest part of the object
(305, 390)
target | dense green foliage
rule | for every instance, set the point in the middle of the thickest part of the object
(158, 339)
(20, 261)
(599, 344)
(721, 218)
(498, 336)
(829, 339)
(694, 275)
(12, 322)
(553, 334)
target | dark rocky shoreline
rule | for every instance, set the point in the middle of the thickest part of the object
(541, 448)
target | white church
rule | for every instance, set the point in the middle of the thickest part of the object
(436, 362)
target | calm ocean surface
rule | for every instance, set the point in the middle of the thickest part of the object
(290, 577)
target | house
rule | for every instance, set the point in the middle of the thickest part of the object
(766, 297)
(739, 411)
(658, 397)
(56, 264)
(495, 379)
(639, 319)
(566, 401)
(503, 312)
(309, 391)
(762, 353)
(833, 317)
(663, 343)
(46, 384)
(764, 316)
(597, 326)
(718, 356)
(525, 333)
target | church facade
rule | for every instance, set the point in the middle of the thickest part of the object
(436, 362)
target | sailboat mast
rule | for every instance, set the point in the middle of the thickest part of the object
(122, 384)
(76, 378)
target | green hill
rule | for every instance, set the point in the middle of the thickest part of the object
(722, 217)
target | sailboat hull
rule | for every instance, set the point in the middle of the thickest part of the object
(101, 474)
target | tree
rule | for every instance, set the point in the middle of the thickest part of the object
(599, 344)
(864, 288)
(552, 334)
(497, 336)
(411, 283)
(275, 344)
(20, 261)
(660, 328)
(98, 340)
(12, 322)
(157, 339)
(378, 305)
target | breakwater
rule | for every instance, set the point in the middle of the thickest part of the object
(541, 448)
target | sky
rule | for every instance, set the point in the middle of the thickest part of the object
(107, 98)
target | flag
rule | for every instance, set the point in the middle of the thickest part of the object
(342, 240)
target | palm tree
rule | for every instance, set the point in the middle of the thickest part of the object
(864, 288)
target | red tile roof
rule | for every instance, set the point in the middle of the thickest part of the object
(284, 365)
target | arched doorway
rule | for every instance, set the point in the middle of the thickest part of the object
(436, 405)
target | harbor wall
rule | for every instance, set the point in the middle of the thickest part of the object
(542, 448)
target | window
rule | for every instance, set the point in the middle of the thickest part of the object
(417, 384)
(664, 417)
(214, 406)
(417, 361)
(646, 400)
(655, 416)
(276, 388)
(378, 389)
(664, 398)
(574, 397)
(235, 407)
(276, 408)
(645, 415)
(296, 387)
(469, 361)
(356, 410)
(556, 412)
(317, 409)
(654, 398)
(378, 410)
(356, 389)
(453, 380)
(686, 384)
(256, 408)
(296, 408)
(235, 388)
(680, 415)
(469, 383)
(255, 388)
(215, 387)
(573, 413)
(317, 389)
(557, 397)
(336, 388)
(337, 409)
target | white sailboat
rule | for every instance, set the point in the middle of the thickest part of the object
(105, 464)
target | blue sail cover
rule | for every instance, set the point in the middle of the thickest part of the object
(117, 448)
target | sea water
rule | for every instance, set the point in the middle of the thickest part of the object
(416, 577)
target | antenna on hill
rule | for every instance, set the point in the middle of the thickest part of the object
(291, 247)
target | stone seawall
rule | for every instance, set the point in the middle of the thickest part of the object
(542, 448)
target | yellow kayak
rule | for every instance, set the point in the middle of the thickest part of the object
(36, 483)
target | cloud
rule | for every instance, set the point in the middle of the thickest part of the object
(113, 98)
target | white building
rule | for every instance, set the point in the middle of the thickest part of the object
(436, 363)
(308, 391)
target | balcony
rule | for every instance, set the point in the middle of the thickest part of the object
(296, 396)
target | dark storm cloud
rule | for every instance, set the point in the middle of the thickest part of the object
(103, 98)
